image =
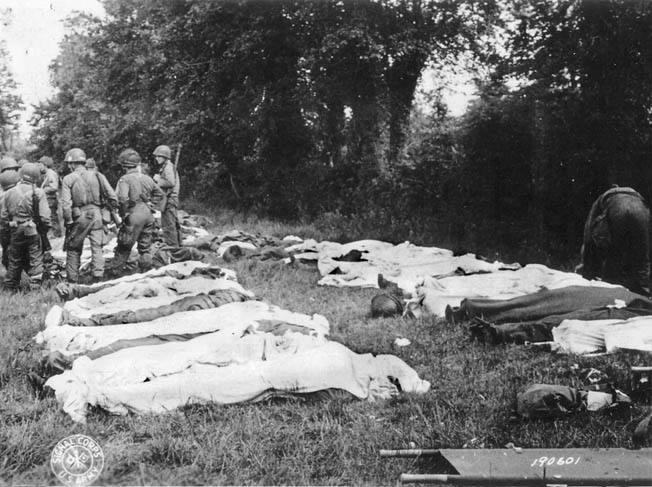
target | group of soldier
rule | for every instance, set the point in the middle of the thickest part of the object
(29, 206)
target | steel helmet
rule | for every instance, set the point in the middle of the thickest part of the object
(7, 163)
(129, 158)
(75, 155)
(47, 161)
(90, 163)
(9, 179)
(163, 151)
(30, 172)
(384, 304)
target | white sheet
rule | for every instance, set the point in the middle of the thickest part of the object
(404, 264)
(70, 340)
(300, 369)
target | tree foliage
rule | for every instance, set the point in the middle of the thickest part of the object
(298, 108)
(10, 102)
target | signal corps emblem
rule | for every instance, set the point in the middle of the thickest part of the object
(77, 460)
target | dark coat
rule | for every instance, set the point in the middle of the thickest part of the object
(616, 246)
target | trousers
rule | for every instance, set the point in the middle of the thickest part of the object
(24, 254)
(137, 228)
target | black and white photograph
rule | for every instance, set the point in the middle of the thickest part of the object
(325, 242)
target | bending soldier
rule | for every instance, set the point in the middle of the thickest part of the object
(138, 195)
(21, 206)
(83, 193)
(168, 180)
(616, 245)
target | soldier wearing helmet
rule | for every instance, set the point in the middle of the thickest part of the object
(83, 195)
(51, 185)
(138, 195)
(8, 179)
(21, 204)
(167, 178)
(90, 164)
(8, 164)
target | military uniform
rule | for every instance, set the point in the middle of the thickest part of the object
(17, 214)
(82, 195)
(137, 194)
(616, 245)
(51, 187)
(168, 180)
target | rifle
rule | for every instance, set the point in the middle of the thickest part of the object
(41, 227)
(115, 218)
(176, 159)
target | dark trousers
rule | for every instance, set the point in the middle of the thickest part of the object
(24, 254)
(138, 227)
(170, 225)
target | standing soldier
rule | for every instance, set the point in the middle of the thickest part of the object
(22, 206)
(138, 195)
(51, 187)
(8, 179)
(83, 194)
(90, 164)
(168, 180)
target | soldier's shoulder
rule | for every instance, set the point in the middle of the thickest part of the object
(126, 177)
(145, 177)
(69, 177)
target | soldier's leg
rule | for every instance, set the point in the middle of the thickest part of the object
(35, 268)
(73, 260)
(5, 237)
(145, 247)
(54, 206)
(170, 226)
(97, 258)
(15, 260)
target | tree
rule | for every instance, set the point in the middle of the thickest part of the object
(10, 102)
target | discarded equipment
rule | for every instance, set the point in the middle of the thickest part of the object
(536, 466)
(641, 379)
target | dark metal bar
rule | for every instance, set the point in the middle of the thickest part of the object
(479, 480)
(408, 453)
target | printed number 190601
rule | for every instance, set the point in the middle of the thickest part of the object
(549, 461)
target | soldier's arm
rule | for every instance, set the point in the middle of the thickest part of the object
(50, 183)
(122, 195)
(4, 214)
(55, 181)
(157, 194)
(66, 202)
(110, 195)
(167, 178)
(43, 208)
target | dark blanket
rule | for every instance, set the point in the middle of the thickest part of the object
(532, 317)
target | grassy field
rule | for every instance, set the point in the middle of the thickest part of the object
(471, 403)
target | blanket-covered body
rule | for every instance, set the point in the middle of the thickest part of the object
(230, 352)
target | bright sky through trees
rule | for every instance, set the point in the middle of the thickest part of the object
(32, 31)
